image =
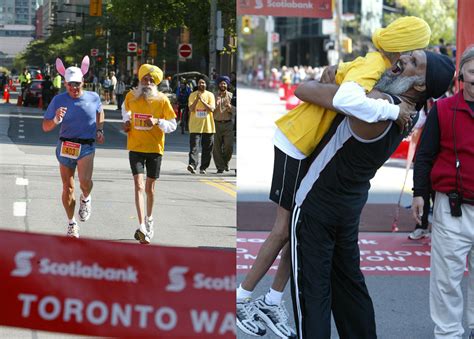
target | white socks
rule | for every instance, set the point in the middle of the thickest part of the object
(273, 297)
(243, 294)
(72, 221)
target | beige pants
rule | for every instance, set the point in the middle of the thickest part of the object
(452, 241)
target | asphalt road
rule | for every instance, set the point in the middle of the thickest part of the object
(401, 302)
(190, 210)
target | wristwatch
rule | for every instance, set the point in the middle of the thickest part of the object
(100, 130)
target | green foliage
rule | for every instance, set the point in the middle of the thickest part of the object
(4, 70)
(159, 15)
(439, 14)
(121, 17)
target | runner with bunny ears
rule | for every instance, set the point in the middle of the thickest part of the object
(81, 117)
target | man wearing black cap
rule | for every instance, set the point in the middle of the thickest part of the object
(324, 231)
(224, 137)
(446, 153)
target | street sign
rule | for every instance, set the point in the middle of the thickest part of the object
(132, 47)
(94, 52)
(185, 51)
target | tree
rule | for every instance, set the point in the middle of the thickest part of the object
(439, 14)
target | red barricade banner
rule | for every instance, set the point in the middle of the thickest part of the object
(105, 288)
(286, 8)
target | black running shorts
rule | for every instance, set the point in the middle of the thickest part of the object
(287, 175)
(152, 162)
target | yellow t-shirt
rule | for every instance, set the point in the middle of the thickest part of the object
(201, 120)
(306, 124)
(140, 137)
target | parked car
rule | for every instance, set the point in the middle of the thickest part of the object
(33, 93)
(191, 79)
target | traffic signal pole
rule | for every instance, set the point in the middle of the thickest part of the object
(212, 38)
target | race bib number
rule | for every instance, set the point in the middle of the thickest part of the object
(70, 149)
(201, 114)
(139, 121)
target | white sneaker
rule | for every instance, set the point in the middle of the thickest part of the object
(149, 227)
(85, 208)
(419, 233)
(141, 234)
(275, 317)
(247, 318)
(73, 230)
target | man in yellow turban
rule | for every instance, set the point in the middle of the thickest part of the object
(298, 134)
(147, 115)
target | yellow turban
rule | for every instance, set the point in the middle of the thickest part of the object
(155, 72)
(404, 34)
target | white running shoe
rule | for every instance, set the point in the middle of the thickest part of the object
(73, 230)
(85, 208)
(419, 233)
(149, 227)
(141, 234)
(248, 320)
(275, 317)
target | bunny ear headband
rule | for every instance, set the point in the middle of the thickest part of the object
(73, 74)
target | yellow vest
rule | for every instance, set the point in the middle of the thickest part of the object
(140, 137)
(201, 120)
(306, 124)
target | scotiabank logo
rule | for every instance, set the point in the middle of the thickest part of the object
(23, 263)
(74, 269)
(200, 281)
(177, 280)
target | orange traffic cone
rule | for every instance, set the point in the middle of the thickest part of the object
(40, 102)
(6, 95)
(19, 102)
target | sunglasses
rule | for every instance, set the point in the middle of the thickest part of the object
(74, 84)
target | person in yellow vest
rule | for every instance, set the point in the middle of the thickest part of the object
(201, 127)
(24, 79)
(56, 84)
(298, 134)
(147, 115)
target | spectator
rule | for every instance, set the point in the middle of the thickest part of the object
(113, 83)
(119, 92)
(446, 152)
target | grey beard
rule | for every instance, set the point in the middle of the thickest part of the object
(396, 85)
(148, 92)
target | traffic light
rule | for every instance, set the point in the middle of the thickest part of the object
(246, 24)
(153, 50)
(112, 60)
(95, 8)
(347, 45)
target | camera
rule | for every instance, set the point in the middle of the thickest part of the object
(455, 201)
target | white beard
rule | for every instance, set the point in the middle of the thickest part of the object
(147, 92)
(397, 85)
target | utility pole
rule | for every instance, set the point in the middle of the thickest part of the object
(338, 41)
(212, 37)
(143, 42)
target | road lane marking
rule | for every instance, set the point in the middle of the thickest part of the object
(19, 208)
(21, 137)
(21, 131)
(220, 186)
(228, 184)
(21, 181)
